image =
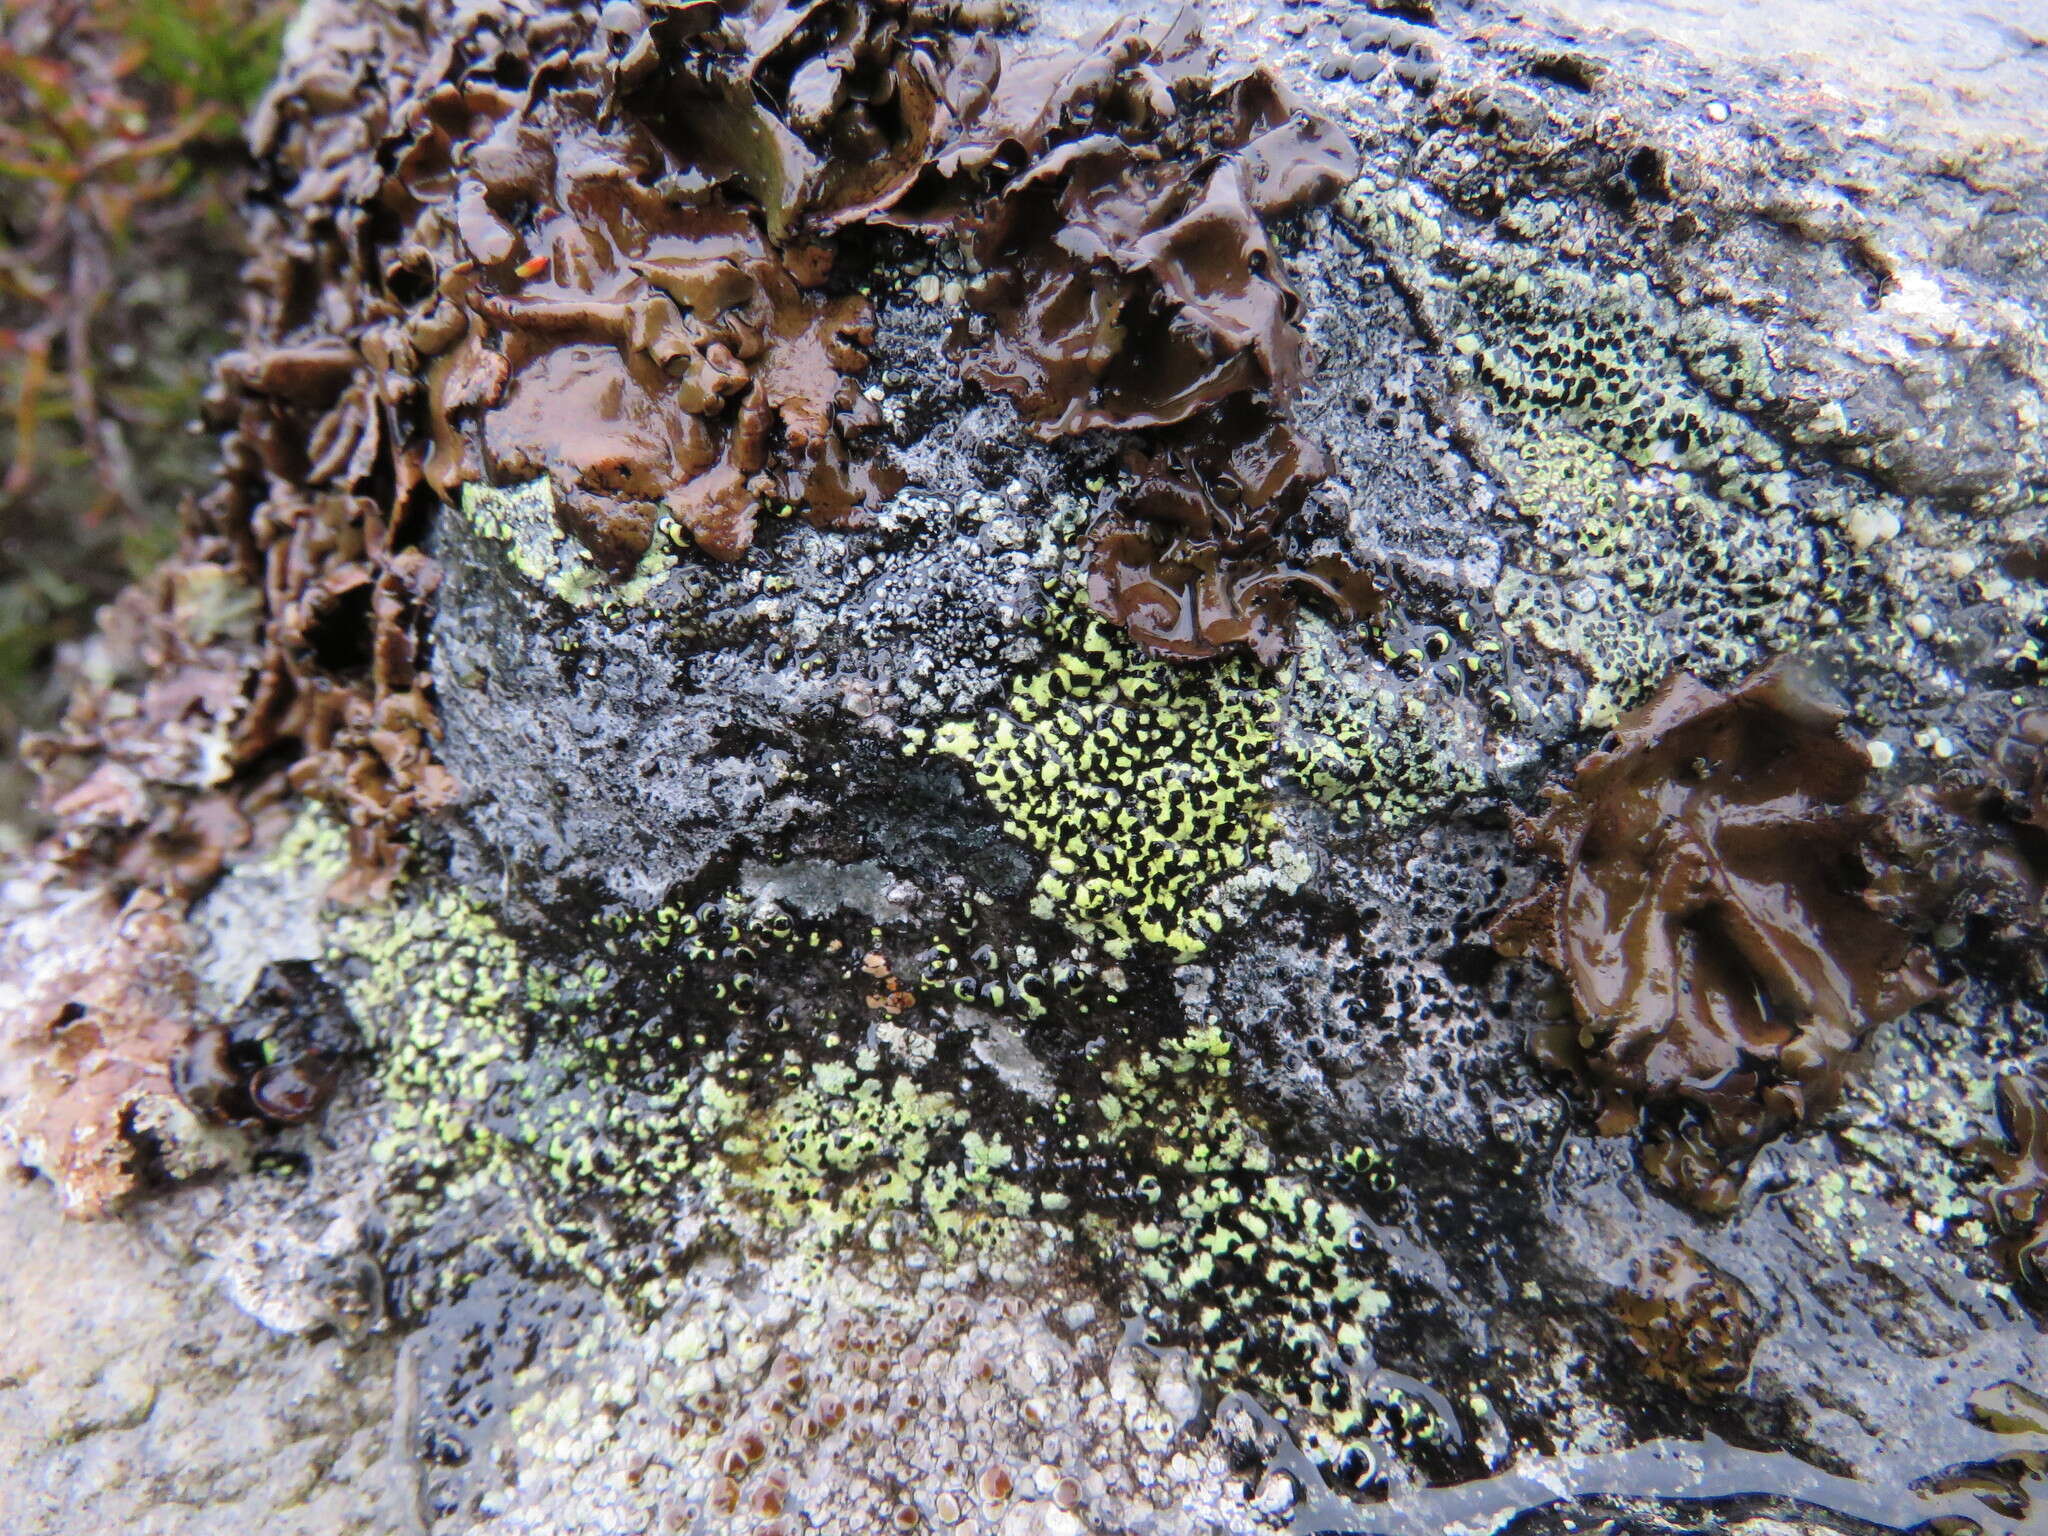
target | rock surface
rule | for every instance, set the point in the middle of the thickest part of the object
(132, 1400)
(754, 1128)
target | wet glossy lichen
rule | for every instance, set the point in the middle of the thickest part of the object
(1967, 854)
(1128, 281)
(638, 302)
(2019, 1199)
(1140, 784)
(1146, 785)
(1693, 1324)
(599, 252)
(275, 1060)
(1117, 196)
(1264, 1262)
(655, 1118)
(522, 519)
(1187, 562)
(1711, 925)
(581, 316)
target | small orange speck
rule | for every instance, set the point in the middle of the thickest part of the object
(533, 266)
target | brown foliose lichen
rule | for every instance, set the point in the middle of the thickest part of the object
(2019, 1200)
(600, 250)
(222, 1090)
(275, 1060)
(136, 774)
(594, 306)
(1694, 1324)
(460, 271)
(281, 649)
(1128, 278)
(1968, 856)
(635, 301)
(1188, 564)
(96, 1000)
(1118, 201)
(823, 114)
(1711, 923)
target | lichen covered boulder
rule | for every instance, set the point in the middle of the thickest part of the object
(818, 828)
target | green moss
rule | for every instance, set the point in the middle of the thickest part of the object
(215, 57)
(1138, 781)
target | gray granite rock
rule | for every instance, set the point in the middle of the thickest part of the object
(745, 1136)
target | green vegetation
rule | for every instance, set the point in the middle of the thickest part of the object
(120, 165)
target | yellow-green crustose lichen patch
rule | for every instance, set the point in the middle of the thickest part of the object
(1659, 525)
(847, 1148)
(530, 1080)
(440, 991)
(533, 1086)
(1373, 743)
(522, 518)
(1138, 781)
(1261, 1259)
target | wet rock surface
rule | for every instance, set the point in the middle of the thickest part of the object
(131, 1400)
(981, 1013)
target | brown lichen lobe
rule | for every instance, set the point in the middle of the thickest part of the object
(1711, 923)
(1129, 280)
(2019, 1200)
(1188, 563)
(823, 111)
(1693, 1323)
(1117, 200)
(657, 334)
(135, 773)
(620, 276)
(1968, 857)
(608, 317)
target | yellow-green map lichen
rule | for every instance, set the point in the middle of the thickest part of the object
(612, 1142)
(1371, 742)
(1660, 524)
(522, 518)
(1140, 782)
(1261, 1259)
